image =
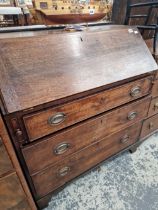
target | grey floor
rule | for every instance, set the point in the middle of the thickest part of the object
(126, 182)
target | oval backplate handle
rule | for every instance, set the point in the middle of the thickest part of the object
(61, 148)
(125, 139)
(135, 91)
(151, 125)
(156, 106)
(64, 171)
(56, 119)
(132, 115)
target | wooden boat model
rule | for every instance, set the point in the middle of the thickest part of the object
(66, 11)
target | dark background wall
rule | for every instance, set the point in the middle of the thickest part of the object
(119, 10)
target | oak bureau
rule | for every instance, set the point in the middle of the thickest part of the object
(70, 100)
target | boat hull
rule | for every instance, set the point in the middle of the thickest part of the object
(72, 18)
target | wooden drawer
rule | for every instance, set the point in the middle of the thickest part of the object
(149, 126)
(54, 119)
(155, 89)
(153, 107)
(5, 162)
(53, 177)
(42, 154)
(12, 196)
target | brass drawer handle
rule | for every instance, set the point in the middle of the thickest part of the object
(56, 119)
(135, 91)
(61, 148)
(151, 125)
(156, 106)
(132, 115)
(125, 139)
(64, 171)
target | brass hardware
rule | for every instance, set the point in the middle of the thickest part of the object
(135, 91)
(61, 148)
(151, 125)
(156, 106)
(132, 115)
(56, 119)
(64, 171)
(18, 132)
(125, 139)
(1, 142)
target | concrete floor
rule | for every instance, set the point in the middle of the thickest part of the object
(126, 182)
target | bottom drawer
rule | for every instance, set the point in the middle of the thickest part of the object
(56, 176)
(12, 195)
(149, 126)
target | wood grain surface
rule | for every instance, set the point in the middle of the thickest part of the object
(153, 107)
(150, 125)
(5, 162)
(40, 69)
(53, 177)
(40, 155)
(11, 194)
(37, 124)
(14, 191)
(155, 89)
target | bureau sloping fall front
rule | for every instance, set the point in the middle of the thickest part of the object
(70, 103)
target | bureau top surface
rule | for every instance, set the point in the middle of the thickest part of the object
(38, 69)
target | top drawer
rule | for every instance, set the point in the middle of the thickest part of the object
(53, 119)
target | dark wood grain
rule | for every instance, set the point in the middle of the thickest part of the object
(50, 178)
(119, 11)
(44, 71)
(43, 202)
(86, 75)
(149, 126)
(40, 155)
(21, 199)
(155, 89)
(5, 162)
(37, 125)
(11, 193)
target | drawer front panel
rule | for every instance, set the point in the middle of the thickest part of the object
(153, 107)
(42, 154)
(11, 194)
(5, 162)
(54, 177)
(149, 126)
(51, 120)
(155, 89)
